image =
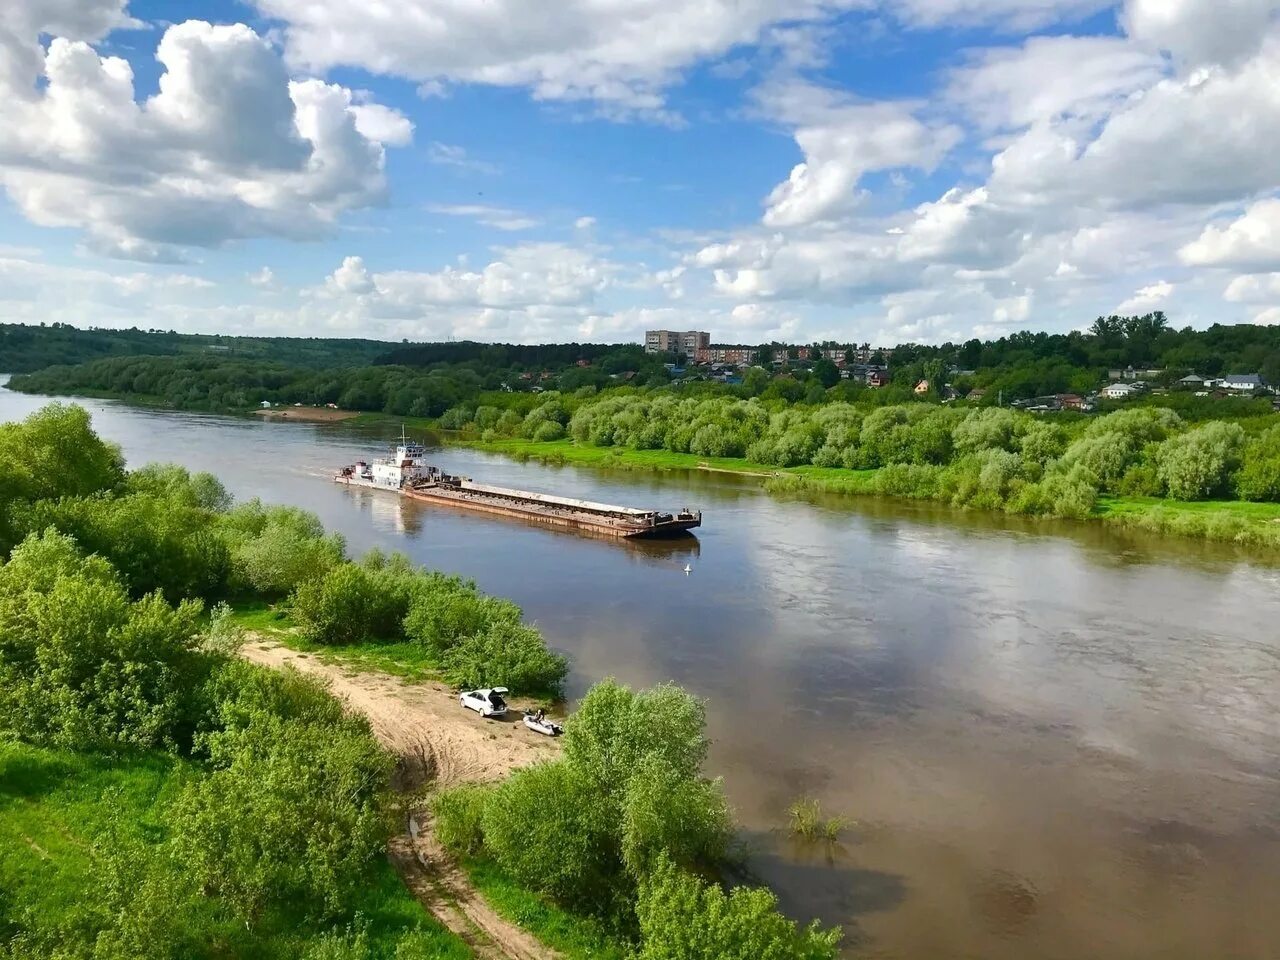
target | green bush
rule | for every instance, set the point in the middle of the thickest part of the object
(292, 811)
(547, 827)
(1199, 464)
(82, 665)
(549, 431)
(346, 605)
(445, 609)
(684, 918)
(275, 549)
(459, 814)
(1259, 477)
(505, 654)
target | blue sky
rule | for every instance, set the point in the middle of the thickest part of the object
(880, 170)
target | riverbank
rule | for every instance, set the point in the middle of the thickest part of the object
(306, 414)
(1233, 521)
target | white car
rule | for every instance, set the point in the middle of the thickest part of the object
(487, 703)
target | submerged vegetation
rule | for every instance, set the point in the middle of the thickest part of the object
(808, 823)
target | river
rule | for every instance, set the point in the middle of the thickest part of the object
(1055, 741)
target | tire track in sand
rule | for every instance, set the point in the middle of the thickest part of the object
(437, 742)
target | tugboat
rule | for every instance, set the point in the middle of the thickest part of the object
(405, 466)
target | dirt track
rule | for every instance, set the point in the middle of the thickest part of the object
(437, 741)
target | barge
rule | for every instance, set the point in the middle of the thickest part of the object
(407, 473)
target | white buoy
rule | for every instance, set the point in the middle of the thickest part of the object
(687, 569)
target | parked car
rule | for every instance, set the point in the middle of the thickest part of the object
(487, 703)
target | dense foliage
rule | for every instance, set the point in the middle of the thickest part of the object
(24, 348)
(203, 382)
(270, 835)
(475, 640)
(993, 458)
(622, 827)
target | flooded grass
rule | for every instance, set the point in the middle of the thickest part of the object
(808, 823)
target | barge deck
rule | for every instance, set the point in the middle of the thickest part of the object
(406, 473)
(587, 515)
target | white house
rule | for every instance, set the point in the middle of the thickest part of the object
(1243, 382)
(1120, 391)
(265, 404)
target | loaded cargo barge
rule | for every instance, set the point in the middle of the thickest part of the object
(406, 472)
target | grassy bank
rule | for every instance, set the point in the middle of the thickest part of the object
(1237, 521)
(61, 813)
(616, 458)
(575, 937)
(403, 659)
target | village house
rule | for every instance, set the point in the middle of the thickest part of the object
(877, 378)
(921, 387)
(1120, 391)
(1243, 382)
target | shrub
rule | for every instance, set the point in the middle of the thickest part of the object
(1259, 478)
(276, 549)
(683, 918)
(348, 605)
(459, 815)
(994, 428)
(292, 812)
(549, 431)
(545, 826)
(445, 609)
(83, 666)
(505, 654)
(1103, 455)
(178, 485)
(1198, 464)
(456, 418)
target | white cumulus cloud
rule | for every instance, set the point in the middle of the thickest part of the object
(228, 147)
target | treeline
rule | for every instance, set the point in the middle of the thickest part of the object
(27, 347)
(1026, 364)
(993, 458)
(207, 383)
(625, 828)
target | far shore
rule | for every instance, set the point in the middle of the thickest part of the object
(312, 414)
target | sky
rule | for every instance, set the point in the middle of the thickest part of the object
(799, 170)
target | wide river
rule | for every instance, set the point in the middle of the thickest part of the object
(1054, 741)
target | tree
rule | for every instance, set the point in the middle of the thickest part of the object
(1198, 464)
(826, 372)
(1259, 478)
(81, 665)
(293, 813)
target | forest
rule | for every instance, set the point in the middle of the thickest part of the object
(163, 799)
(26, 347)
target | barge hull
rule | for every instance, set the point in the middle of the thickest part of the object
(546, 514)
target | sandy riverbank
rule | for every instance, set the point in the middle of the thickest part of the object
(310, 414)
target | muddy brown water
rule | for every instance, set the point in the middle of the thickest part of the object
(1056, 741)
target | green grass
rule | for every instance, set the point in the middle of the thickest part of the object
(54, 804)
(1228, 521)
(577, 938)
(403, 659)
